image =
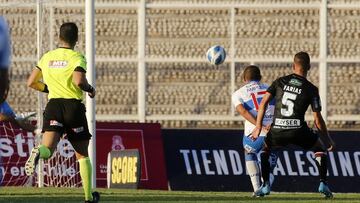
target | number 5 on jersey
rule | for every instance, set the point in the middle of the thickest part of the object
(288, 101)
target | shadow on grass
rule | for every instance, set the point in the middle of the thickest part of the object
(167, 198)
(222, 199)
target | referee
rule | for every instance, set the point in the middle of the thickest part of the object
(63, 74)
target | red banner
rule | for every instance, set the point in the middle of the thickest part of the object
(15, 146)
(144, 137)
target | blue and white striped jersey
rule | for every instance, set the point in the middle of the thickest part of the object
(250, 96)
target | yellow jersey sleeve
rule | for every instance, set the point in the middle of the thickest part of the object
(40, 63)
(79, 61)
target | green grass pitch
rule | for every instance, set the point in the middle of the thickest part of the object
(61, 195)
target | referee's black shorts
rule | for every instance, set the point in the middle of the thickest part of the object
(66, 116)
(303, 137)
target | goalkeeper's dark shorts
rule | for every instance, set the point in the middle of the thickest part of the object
(66, 116)
(303, 137)
(4, 84)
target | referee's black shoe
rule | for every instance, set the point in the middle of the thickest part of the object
(96, 198)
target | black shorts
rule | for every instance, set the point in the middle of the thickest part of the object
(303, 137)
(4, 84)
(66, 116)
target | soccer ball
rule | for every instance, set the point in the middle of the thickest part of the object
(216, 55)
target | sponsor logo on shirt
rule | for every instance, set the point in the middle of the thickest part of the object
(295, 82)
(287, 122)
(55, 123)
(78, 130)
(58, 64)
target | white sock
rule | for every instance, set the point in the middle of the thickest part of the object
(253, 170)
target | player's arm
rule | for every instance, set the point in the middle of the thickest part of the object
(23, 123)
(3, 117)
(246, 114)
(321, 126)
(237, 101)
(79, 79)
(319, 121)
(261, 112)
(34, 81)
(8, 115)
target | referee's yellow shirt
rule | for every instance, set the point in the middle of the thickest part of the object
(57, 67)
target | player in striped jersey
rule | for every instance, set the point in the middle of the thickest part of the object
(246, 101)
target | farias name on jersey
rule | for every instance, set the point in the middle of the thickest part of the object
(292, 89)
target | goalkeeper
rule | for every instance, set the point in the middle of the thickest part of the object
(6, 113)
(63, 73)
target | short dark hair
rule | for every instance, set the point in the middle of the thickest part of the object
(252, 73)
(69, 33)
(303, 59)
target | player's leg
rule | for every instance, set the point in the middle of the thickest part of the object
(322, 164)
(309, 139)
(53, 129)
(253, 169)
(273, 162)
(252, 148)
(79, 136)
(48, 145)
(272, 142)
(268, 160)
(81, 152)
(251, 162)
(265, 170)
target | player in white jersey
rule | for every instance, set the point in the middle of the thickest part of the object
(6, 113)
(246, 101)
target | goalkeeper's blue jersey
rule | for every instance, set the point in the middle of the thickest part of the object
(5, 109)
(5, 49)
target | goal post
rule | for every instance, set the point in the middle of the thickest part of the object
(40, 174)
(90, 74)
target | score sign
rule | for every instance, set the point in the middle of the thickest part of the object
(123, 169)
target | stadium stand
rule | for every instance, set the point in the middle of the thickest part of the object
(194, 88)
(266, 33)
(344, 35)
(344, 95)
(237, 1)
